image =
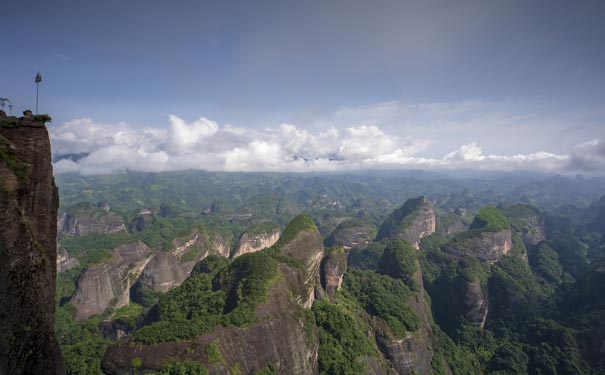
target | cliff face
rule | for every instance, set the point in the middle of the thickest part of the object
(85, 219)
(411, 222)
(307, 249)
(350, 234)
(483, 245)
(28, 249)
(334, 266)
(108, 284)
(168, 269)
(64, 261)
(251, 242)
(282, 336)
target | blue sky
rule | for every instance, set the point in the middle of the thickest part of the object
(513, 77)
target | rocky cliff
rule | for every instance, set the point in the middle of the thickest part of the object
(333, 267)
(108, 284)
(64, 261)
(281, 336)
(527, 222)
(411, 222)
(84, 218)
(28, 249)
(301, 242)
(488, 239)
(257, 238)
(168, 269)
(350, 234)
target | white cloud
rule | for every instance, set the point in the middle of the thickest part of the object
(204, 144)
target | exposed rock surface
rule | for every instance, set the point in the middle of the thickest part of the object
(411, 222)
(108, 284)
(483, 245)
(350, 234)
(281, 337)
(64, 261)
(252, 242)
(28, 250)
(168, 269)
(306, 248)
(527, 222)
(412, 354)
(85, 218)
(143, 219)
(334, 266)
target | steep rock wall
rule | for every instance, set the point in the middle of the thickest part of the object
(413, 221)
(249, 243)
(28, 249)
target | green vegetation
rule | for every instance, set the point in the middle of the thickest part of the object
(384, 297)
(400, 219)
(342, 343)
(225, 296)
(399, 261)
(213, 352)
(490, 219)
(191, 254)
(300, 223)
(81, 246)
(366, 259)
(10, 160)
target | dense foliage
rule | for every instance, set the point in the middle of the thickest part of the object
(225, 296)
(342, 343)
(384, 297)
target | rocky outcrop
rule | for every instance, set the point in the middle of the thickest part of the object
(28, 249)
(350, 234)
(84, 218)
(64, 261)
(143, 219)
(484, 245)
(333, 268)
(527, 222)
(412, 354)
(282, 338)
(252, 241)
(302, 242)
(168, 269)
(474, 304)
(411, 222)
(108, 284)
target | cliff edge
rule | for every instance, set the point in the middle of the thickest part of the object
(28, 250)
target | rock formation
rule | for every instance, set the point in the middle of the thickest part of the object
(282, 336)
(488, 239)
(527, 222)
(333, 267)
(168, 269)
(85, 218)
(108, 284)
(255, 239)
(350, 234)
(302, 242)
(411, 222)
(28, 249)
(64, 261)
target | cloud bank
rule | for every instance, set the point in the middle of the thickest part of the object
(205, 145)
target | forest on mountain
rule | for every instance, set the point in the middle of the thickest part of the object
(506, 277)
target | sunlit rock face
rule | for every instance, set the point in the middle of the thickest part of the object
(107, 284)
(411, 222)
(252, 242)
